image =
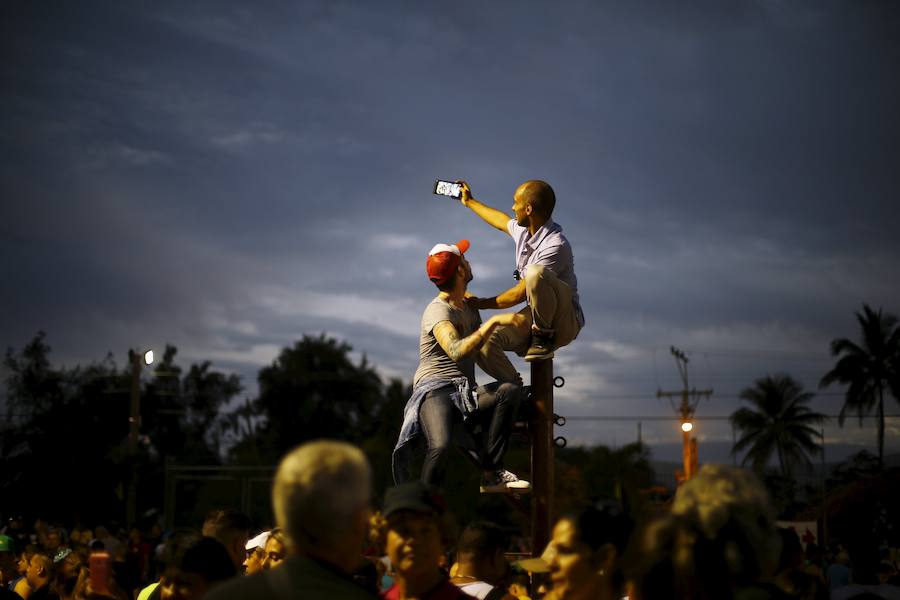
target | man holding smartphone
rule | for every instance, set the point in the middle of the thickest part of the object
(444, 389)
(545, 275)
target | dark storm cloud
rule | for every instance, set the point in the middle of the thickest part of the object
(228, 178)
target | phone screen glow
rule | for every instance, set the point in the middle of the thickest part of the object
(445, 188)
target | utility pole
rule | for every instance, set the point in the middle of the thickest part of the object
(541, 427)
(137, 361)
(133, 431)
(689, 400)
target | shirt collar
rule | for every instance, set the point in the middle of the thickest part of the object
(546, 229)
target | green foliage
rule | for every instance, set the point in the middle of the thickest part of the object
(868, 369)
(312, 390)
(778, 423)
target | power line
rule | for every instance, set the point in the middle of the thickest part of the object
(694, 418)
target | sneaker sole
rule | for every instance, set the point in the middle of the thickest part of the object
(505, 489)
(538, 357)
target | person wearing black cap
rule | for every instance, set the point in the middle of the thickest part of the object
(444, 389)
(419, 532)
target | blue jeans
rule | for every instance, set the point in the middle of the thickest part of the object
(498, 404)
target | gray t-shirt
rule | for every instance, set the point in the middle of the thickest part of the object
(433, 361)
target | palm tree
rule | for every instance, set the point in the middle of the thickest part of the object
(868, 369)
(780, 422)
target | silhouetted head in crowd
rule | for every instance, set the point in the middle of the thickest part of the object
(232, 529)
(719, 539)
(481, 552)
(419, 532)
(192, 564)
(321, 498)
(53, 541)
(587, 550)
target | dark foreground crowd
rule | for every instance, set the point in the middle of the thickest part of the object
(717, 541)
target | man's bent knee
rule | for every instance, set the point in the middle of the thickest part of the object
(533, 273)
(510, 392)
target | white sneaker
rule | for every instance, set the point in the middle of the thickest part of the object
(502, 482)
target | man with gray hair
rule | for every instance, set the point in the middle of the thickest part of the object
(321, 498)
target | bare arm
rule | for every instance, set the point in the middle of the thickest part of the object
(458, 348)
(510, 297)
(491, 216)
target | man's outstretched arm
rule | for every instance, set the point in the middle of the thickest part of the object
(510, 297)
(458, 348)
(491, 216)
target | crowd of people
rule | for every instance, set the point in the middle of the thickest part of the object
(717, 540)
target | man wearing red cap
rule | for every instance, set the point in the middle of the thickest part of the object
(444, 389)
(545, 275)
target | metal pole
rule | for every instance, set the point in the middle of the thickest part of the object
(824, 539)
(686, 436)
(133, 432)
(541, 454)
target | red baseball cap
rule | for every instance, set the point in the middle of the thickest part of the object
(443, 260)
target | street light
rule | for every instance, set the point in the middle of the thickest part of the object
(137, 360)
(687, 426)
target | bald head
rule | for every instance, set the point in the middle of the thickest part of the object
(539, 195)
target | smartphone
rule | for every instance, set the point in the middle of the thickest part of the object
(447, 188)
(100, 568)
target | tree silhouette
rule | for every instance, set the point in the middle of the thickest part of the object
(182, 412)
(63, 445)
(868, 369)
(779, 423)
(312, 390)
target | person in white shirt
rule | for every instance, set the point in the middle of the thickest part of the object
(545, 274)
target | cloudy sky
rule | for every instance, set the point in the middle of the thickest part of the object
(228, 177)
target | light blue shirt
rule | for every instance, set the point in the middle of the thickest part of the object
(550, 248)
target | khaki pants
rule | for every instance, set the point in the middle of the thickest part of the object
(549, 307)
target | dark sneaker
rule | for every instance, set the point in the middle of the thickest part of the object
(503, 481)
(541, 347)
